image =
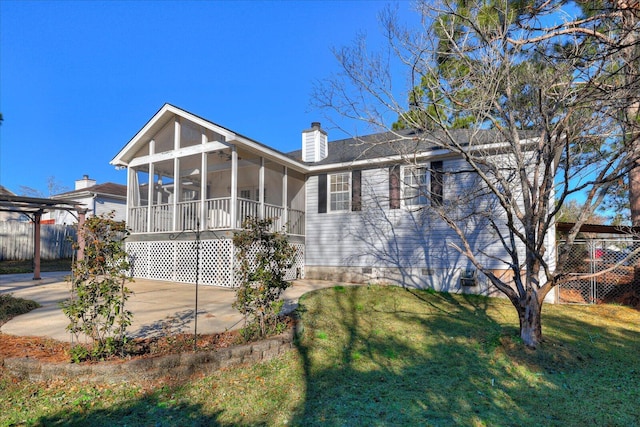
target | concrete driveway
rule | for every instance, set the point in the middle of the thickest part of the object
(158, 307)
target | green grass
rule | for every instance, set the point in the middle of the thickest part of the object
(385, 356)
(11, 307)
(26, 266)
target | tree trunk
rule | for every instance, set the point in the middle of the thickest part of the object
(634, 195)
(530, 316)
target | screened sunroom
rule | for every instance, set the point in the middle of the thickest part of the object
(184, 176)
(188, 179)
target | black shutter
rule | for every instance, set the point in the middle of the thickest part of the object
(437, 183)
(356, 190)
(394, 187)
(322, 193)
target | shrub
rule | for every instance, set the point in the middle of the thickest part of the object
(263, 260)
(98, 291)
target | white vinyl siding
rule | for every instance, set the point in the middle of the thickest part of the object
(411, 240)
(105, 206)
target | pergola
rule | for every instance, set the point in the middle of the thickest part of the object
(33, 208)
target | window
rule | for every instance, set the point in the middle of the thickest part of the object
(415, 186)
(251, 194)
(339, 191)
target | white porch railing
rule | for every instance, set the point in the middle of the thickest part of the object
(274, 212)
(219, 213)
(218, 216)
(188, 214)
(246, 208)
(138, 219)
(162, 217)
(295, 223)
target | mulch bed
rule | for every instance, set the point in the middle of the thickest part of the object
(50, 350)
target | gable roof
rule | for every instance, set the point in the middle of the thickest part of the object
(394, 145)
(4, 191)
(381, 147)
(168, 112)
(109, 189)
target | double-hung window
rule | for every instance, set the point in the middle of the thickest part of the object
(415, 188)
(339, 191)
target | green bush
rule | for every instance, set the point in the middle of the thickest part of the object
(96, 307)
(263, 260)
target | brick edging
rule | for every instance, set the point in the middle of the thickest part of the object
(178, 365)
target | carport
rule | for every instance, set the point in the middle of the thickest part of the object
(33, 208)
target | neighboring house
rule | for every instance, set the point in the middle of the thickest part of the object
(352, 207)
(98, 199)
(10, 216)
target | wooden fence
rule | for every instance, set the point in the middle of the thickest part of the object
(16, 241)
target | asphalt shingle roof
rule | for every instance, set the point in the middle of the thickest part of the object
(106, 189)
(404, 142)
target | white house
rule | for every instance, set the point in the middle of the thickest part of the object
(10, 216)
(98, 199)
(352, 207)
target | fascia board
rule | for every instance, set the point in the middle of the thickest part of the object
(378, 161)
(121, 159)
(438, 153)
(230, 138)
(270, 154)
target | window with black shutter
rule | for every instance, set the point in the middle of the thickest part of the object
(437, 183)
(394, 187)
(356, 190)
(322, 193)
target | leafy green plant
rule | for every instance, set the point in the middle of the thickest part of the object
(98, 291)
(79, 353)
(263, 260)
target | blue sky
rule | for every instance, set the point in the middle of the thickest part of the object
(79, 79)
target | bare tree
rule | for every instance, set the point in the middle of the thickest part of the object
(53, 187)
(538, 129)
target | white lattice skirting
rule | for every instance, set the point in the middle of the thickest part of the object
(175, 261)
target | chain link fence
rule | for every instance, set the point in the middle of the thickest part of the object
(602, 271)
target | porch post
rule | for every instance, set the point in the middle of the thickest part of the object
(285, 202)
(150, 196)
(204, 223)
(37, 216)
(261, 188)
(129, 198)
(178, 225)
(233, 209)
(176, 177)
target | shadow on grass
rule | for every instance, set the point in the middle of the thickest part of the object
(145, 411)
(389, 356)
(420, 357)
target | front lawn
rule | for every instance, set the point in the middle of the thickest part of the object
(26, 266)
(385, 356)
